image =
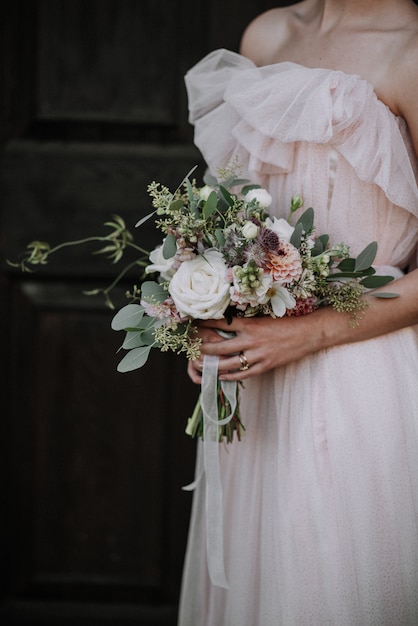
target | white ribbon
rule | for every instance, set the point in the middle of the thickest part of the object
(209, 467)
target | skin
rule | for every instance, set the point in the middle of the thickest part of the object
(377, 40)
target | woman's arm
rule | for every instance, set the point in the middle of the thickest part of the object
(268, 343)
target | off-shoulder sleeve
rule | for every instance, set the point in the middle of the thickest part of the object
(259, 115)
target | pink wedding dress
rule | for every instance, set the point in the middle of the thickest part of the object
(320, 499)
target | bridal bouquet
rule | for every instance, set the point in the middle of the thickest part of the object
(221, 255)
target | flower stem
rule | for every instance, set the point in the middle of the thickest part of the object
(193, 421)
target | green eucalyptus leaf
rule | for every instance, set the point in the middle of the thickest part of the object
(323, 239)
(220, 237)
(365, 273)
(176, 204)
(317, 249)
(129, 315)
(371, 282)
(185, 180)
(135, 359)
(144, 219)
(153, 292)
(234, 182)
(210, 204)
(225, 193)
(133, 339)
(147, 336)
(210, 180)
(223, 205)
(169, 247)
(366, 257)
(248, 188)
(143, 324)
(189, 190)
(306, 219)
(385, 294)
(237, 182)
(347, 265)
(296, 237)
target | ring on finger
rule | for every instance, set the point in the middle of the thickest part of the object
(244, 362)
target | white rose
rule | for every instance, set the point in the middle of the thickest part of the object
(262, 196)
(250, 230)
(281, 227)
(205, 191)
(200, 287)
(160, 264)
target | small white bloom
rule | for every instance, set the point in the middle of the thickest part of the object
(281, 300)
(255, 296)
(200, 287)
(160, 264)
(262, 196)
(281, 227)
(250, 230)
(205, 191)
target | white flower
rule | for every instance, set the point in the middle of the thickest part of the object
(281, 300)
(200, 287)
(253, 295)
(160, 264)
(281, 227)
(205, 191)
(262, 196)
(250, 230)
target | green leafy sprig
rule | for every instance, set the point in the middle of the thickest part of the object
(117, 242)
(340, 280)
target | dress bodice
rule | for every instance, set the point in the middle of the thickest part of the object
(320, 133)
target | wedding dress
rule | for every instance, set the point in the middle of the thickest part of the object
(320, 499)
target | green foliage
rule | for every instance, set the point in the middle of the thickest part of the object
(116, 243)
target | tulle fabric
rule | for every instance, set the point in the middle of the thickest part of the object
(321, 496)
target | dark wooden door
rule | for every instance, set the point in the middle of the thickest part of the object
(93, 518)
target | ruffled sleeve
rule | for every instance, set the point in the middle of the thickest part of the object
(260, 114)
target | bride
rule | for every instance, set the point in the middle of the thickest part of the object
(321, 497)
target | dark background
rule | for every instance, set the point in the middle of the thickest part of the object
(93, 520)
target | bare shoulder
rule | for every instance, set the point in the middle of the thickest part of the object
(267, 32)
(404, 74)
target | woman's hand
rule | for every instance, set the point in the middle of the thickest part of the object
(208, 336)
(265, 343)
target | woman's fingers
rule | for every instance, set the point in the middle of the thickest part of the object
(194, 372)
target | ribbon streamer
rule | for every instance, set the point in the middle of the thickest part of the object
(209, 467)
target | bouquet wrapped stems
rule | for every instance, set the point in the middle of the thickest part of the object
(195, 423)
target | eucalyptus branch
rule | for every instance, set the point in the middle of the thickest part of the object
(38, 252)
(116, 281)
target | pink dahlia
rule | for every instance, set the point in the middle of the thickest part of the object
(285, 265)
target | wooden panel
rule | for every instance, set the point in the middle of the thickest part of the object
(104, 59)
(17, 67)
(59, 192)
(91, 511)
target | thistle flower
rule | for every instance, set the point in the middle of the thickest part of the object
(269, 239)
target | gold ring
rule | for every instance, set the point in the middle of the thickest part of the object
(244, 363)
